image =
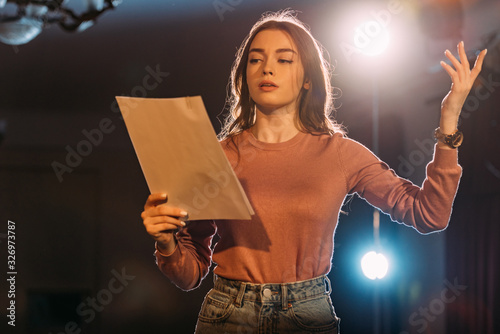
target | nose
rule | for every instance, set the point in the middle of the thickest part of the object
(268, 68)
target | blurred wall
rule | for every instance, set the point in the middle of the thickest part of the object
(84, 260)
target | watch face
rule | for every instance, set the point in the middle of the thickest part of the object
(455, 139)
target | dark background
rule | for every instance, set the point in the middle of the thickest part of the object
(74, 235)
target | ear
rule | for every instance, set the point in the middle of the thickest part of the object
(307, 84)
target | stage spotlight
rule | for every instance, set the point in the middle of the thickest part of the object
(371, 38)
(374, 265)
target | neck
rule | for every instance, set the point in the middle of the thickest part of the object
(274, 127)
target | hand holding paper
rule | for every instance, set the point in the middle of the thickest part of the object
(180, 155)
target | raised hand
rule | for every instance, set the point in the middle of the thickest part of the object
(462, 79)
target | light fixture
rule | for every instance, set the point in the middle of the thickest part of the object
(32, 16)
(374, 265)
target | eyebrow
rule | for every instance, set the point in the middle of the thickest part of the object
(277, 51)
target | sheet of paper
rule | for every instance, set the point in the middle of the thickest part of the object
(179, 154)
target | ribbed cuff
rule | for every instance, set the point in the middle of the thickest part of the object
(163, 255)
(444, 158)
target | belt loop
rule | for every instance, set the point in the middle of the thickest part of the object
(241, 293)
(328, 285)
(284, 297)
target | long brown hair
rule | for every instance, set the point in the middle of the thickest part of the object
(315, 104)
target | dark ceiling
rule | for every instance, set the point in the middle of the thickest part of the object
(195, 42)
(66, 72)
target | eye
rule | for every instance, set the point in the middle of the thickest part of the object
(285, 61)
(254, 60)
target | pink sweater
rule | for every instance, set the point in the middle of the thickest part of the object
(297, 189)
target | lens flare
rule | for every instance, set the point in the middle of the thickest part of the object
(371, 38)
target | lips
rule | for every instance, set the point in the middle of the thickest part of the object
(267, 85)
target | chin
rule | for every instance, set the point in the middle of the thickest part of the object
(271, 103)
(268, 106)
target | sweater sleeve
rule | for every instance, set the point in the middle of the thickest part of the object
(426, 208)
(190, 261)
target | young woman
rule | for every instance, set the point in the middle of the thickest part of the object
(296, 167)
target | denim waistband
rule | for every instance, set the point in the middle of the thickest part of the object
(273, 292)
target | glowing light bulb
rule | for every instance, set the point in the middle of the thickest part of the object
(374, 265)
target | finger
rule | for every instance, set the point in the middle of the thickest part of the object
(478, 65)
(152, 223)
(164, 210)
(161, 228)
(167, 210)
(456, 64)
(463, 55)
(162, 220)
(155, 199)
(451, 72)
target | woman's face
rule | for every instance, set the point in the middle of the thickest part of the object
(275, 74)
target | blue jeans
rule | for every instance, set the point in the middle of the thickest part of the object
(237, 307)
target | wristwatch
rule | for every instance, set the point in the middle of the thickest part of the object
(453, 140)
